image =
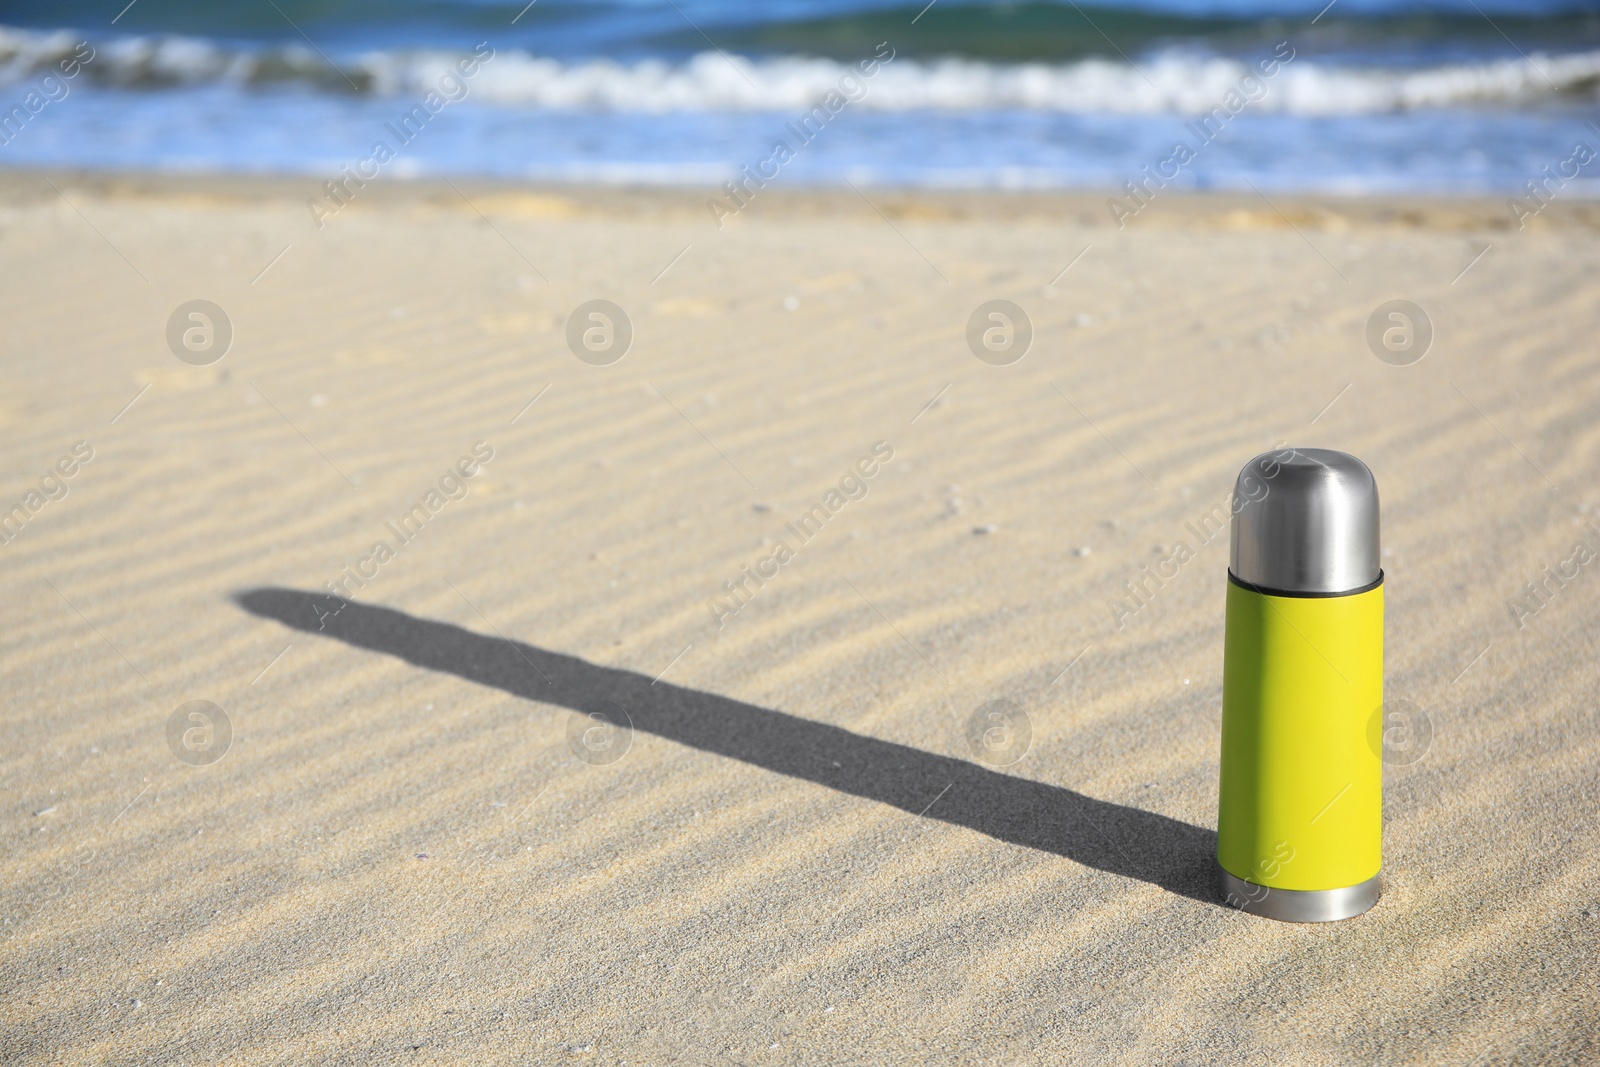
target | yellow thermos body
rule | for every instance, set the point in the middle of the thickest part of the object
(1299, 819)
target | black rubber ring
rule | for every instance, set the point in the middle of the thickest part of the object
(1242, 584)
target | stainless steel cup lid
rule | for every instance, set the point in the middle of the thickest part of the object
(1305, 522)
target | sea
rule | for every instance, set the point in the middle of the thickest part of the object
(1461, 97)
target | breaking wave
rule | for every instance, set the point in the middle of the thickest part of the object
(1178, 81)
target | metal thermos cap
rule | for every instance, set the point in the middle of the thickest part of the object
(1305, 522)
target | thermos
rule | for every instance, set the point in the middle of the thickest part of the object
(1299, 820)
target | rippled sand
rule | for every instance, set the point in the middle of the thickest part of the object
(797, 854)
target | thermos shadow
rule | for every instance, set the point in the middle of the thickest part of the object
(1109, 837)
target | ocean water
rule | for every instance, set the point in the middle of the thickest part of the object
(1454, 96)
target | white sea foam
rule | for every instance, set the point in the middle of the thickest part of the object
(1179, 82)
(1169, 83)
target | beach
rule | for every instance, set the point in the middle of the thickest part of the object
(622, 751)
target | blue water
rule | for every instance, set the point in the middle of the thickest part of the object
(1451, 96)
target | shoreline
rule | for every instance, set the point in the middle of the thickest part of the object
(1082, 207)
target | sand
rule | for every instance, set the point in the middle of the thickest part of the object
(798, 857)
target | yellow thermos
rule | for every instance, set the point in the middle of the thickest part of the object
(1299, 819)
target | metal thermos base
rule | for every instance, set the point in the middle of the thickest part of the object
(1299, 905)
